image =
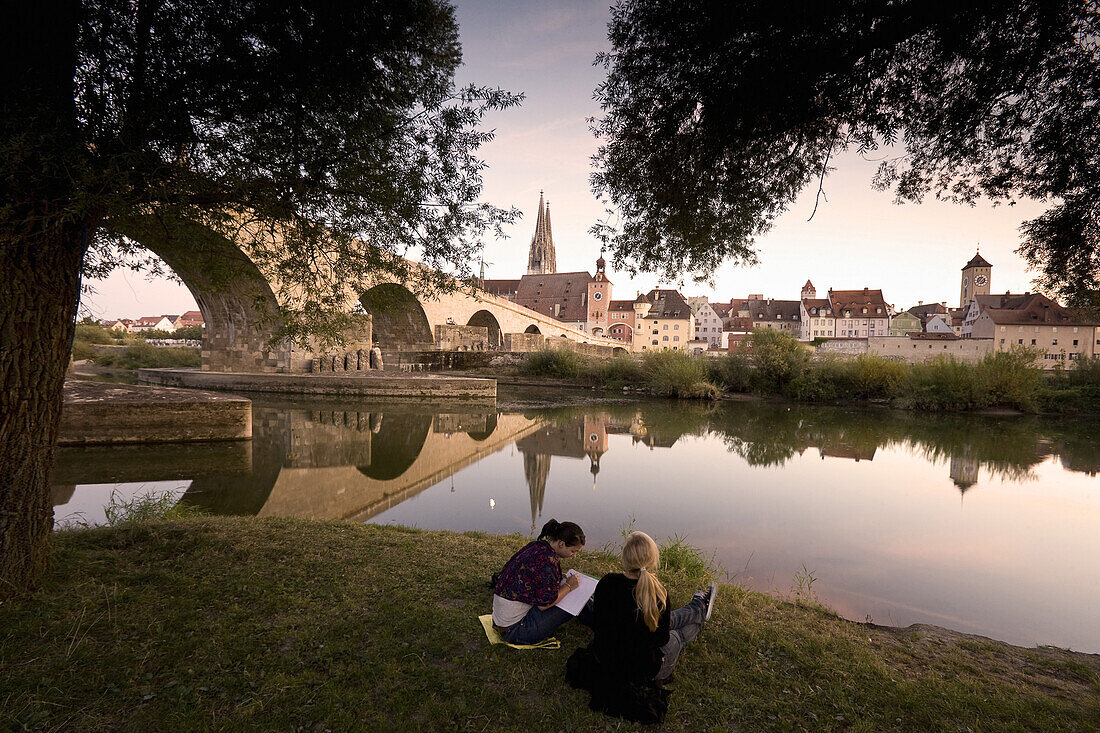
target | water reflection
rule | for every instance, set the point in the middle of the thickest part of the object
(855, 495)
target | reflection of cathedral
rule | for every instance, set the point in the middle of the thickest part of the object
(586, 438)
(964, 469)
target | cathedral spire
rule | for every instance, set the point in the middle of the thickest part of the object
(542, 259)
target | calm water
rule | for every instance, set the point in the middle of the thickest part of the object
(981, 524)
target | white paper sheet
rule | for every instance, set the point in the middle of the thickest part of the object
(574, 601)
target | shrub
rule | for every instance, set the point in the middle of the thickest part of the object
(732, 372)
(619, 371)
(778, 358)
(141, 355)
(1011, 378)
(944, 384)
(91, 333)
(873, 376)
(82, 351)
(560, 363)
(675, 374)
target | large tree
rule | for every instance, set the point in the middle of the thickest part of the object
(716, 116)
(335, 125)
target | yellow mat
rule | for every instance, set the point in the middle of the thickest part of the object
(494, 637)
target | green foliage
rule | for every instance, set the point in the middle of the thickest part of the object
(83, 351)
(687, 562)
(733, 371)
(676, 374)
(557, 363)
(714, 124)
(944, 383)
(778, 358)
(142, 355)
(620, 370)
(93, 333)
(152, 506)
(1012, 378)
(188, 332)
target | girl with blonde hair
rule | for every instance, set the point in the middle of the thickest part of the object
(637, 638)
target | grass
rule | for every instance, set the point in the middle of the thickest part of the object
(142, 355)
(662, 373)
(147, 507)
(284, 624)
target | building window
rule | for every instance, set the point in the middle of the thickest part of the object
(654, 342)
(675, 327)
(1054, 342)
(666, 327)
(1032, 342)
(664, 338)
(1019, 341)
(1074, 342)
(675, 338)
(1002, 328)
(1002, 341)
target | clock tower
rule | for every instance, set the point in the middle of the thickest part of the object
(976, 275)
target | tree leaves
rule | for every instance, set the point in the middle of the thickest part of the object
(715, 121)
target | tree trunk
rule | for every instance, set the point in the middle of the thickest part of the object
(39, 291)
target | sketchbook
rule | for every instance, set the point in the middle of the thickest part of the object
(575, 600)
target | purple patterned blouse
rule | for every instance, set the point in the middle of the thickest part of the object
(533, 575)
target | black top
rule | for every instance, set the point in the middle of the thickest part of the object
(623, 643)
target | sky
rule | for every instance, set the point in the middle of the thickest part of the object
(858, 237)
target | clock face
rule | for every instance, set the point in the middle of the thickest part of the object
(980, 280)
(597, 296)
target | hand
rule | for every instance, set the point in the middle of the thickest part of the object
(572, 582)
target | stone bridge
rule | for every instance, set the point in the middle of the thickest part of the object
(242, 302)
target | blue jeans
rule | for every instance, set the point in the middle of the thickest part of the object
(538, 624)
(684, 624)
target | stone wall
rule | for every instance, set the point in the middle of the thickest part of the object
(919, 350)
(849, 347)
(524, 342)
(450, 337)
(599, 350)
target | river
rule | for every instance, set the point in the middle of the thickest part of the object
(987, 525)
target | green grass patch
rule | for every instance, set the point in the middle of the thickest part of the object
(286, 624)
(142, 355)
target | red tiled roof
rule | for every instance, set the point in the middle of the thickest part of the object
(566, 290)
(621, 305)
(1030, 309)
(856, 301)
(773, 310)
(500, 287)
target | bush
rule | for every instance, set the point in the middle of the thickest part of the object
(778, 358)
(944, 384)
(1011, 378)
(619, 371)
(83, 351)
(91, 333)
(732, 372)
(559, 363)
(675, 374)
(141, 355)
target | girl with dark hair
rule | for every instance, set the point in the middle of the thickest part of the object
(526, 590)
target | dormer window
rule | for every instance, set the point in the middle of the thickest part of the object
(864, 310)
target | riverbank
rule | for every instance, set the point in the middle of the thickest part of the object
(282, 624)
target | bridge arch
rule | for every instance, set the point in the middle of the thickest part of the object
(488, 321)
(533, 329)
(396, 445)
(399, 319)
(238, 306)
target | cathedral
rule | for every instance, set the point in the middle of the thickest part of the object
(542, 259)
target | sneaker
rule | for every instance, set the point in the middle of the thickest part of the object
(710, 596)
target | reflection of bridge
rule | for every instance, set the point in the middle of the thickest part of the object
(352, 464)
(240, 295)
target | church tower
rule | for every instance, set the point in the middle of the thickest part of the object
(542, 259)
(976, 275)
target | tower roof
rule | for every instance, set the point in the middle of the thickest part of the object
(542, 258)
(976, 261)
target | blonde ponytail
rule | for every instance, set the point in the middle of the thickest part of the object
(640, 555)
